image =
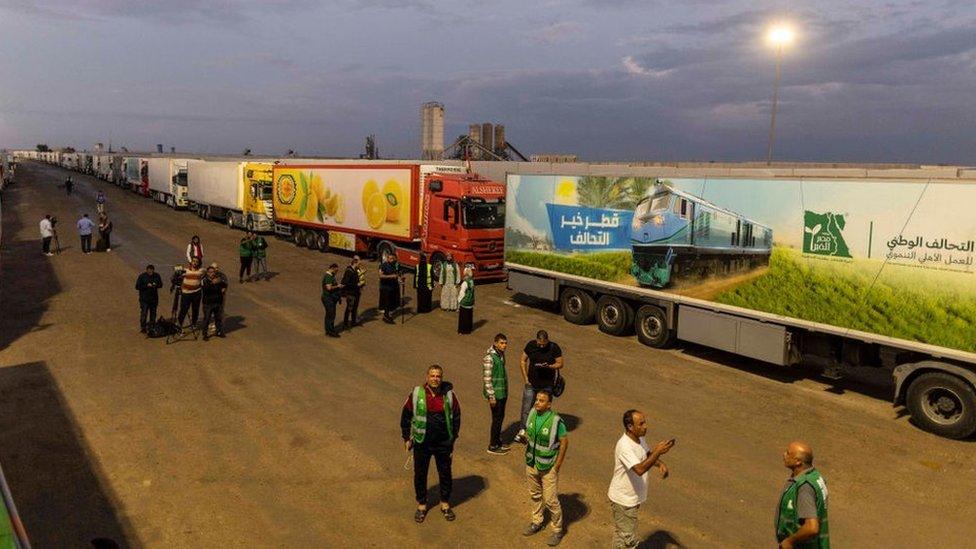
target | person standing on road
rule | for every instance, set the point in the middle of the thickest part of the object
(104, 233)
(801, 518)
(260, 248)
(194, 250)
(85, 227)
(430, 424)
(495, 381)
(212, 290)
(632, 460)
(68, 185)
(541, 360)
(246, 251)
(190, 293)
(331, 297)
(353, 280)
(544, 455)
(450, 279)
(466, 303)
(423, 282)
(148, 285)
(47, 233)
(100, 202)
(389, 287)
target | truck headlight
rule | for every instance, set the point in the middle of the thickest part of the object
(658, 220)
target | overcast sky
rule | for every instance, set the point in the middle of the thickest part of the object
(605, 79)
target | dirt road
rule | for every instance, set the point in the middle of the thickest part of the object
(279, 437)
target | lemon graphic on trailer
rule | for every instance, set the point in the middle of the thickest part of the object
(369, 189)
(566, 193)
(331, 205)
(393, 193)
(340, 210)
(376, 210)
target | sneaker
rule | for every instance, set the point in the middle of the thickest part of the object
(554, 539)
(505, 447)
(520, 437)
(221, 334)
(497, 450)
(532, 529)
(49, 254)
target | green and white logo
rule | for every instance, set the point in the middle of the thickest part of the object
(823, 234)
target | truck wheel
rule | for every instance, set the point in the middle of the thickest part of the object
(322, 241)
(652, 327)
(943, 404)
(614, 315)
(230, 220)
(300, 238)
(311, 239)
(249, 224)
(577, 306)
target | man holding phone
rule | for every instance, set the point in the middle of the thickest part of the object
(628, 488)
(541, 360)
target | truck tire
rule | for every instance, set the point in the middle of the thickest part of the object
(312, 239)
(300, 238)
(577, 306)
(229, 220)
(249, 224)
(652, 327)
(943, 404)
(614, 315)
(322, 241)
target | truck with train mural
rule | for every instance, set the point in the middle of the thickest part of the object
(843, 269)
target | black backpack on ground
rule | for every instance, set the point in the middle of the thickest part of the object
(161, 328)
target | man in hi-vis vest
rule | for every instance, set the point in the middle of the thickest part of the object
(430, 423)
(545, 451)
(801, 517)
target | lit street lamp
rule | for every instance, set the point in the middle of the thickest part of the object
(778, 37)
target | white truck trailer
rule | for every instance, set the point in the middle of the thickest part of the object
(235, 192)
(167, 181)
(835, 268)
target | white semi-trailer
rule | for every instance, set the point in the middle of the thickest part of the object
(837, 268)
(168, 181)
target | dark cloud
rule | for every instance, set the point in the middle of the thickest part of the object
(170, 11)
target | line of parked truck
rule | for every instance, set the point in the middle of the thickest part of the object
(368, 207)
(836, 267)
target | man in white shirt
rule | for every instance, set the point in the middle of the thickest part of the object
(47, 232)
(628, 487)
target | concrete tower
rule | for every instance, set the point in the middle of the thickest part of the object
(432, 131)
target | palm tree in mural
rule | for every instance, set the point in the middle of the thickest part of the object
(616, 193)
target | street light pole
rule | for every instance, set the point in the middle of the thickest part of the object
(772, 120)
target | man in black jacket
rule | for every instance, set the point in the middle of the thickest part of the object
(353, 280)
(148, 285)
(212, 291)
(430, 423)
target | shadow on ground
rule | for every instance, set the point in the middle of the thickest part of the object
(55, 484)
(660, 539)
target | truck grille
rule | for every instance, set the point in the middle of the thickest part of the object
(487, 250)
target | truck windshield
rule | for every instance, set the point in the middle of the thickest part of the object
(483, 214)
(180, 179)
(657, 203)
(265, 192)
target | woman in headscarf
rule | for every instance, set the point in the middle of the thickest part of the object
(450, 280)
(424, 283)
(466, 302)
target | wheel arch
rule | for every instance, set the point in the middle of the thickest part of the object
(905, 374)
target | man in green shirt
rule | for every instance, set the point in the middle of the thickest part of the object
(544, 454)
(260, 247)
(330, 298)
(801, 517)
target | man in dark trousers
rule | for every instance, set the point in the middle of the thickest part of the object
(68, 185)
(331, 295)
(541, 360)
(430, 423)
(495, 389)
(389, 287)
(353, 280)
(148, 285)
(212, 292)
(423, 282)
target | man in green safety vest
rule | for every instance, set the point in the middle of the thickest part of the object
(430, 423)
(801, 518)
(495, 389)
(545, 451)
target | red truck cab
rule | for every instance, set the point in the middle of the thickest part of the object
(462, 214)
